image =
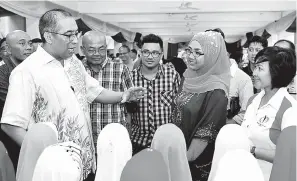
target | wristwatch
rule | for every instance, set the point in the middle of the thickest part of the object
(253, 149)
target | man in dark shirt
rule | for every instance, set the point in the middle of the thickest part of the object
(18, 48)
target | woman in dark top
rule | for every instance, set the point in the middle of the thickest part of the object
(201, 106)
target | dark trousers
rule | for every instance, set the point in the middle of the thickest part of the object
(91, 177)
(12, 148)
(137, 148)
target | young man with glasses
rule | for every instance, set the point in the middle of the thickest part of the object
(111, 75)
(124, 53)
(53, 86)
(162, 83)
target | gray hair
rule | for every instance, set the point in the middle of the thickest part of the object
(49, 20)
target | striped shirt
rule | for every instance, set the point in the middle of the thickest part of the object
(154, 109)
(113, 76)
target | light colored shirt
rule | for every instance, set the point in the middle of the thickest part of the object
(241, 86)
(42, 90)
(264, 124)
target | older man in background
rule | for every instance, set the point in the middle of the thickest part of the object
(110, 75)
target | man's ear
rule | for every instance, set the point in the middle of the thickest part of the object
(48, 37)
(8, 49)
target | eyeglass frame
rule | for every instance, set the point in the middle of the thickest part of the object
(97, 50)
(68, 36)
(151, 53)
(192, 52)
(125, 53)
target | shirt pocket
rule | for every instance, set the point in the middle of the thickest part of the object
(166, 98)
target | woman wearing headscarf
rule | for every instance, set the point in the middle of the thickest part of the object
(114, 150)
(59, 162)
(201, 106)
(238, 165)
(268, 113)
(147, 165)
(169, 140)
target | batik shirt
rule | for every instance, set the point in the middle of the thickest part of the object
(42, 90)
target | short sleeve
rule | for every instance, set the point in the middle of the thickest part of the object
(289, 118)
(20, 99)
(93, 89)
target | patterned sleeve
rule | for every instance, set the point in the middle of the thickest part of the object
(20, 100)
(214, 117)
(93, 89)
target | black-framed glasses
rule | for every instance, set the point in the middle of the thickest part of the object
(124, 53)
(101, 51)
(195, 53)
(70, 37)
(155, 54)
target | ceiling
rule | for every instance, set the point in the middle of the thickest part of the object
(176, 19)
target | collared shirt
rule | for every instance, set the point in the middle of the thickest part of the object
(154, 109)
(113, 76)
(264, 124)
(241, 86)
(48, 92)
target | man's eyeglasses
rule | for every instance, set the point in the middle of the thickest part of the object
(124, 53)
(101, 51)
(70, 37)
(195, 53)
(155, 54)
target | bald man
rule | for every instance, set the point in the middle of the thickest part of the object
(111, 75)
(18, 48)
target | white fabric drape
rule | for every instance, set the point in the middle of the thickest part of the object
(169, 140)
(55, 164)
(35, 9)
(114, 150)
(278, 26)
(238, 165)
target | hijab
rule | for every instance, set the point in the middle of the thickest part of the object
(238, 165)
(40, 136)
(215, 73)
(170, 142)
(114, 150)
(147, 165)
(55, 164)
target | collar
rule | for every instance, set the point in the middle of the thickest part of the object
(85, 62)
(159, 73)
(46, 57)
(233, 67)
(276, 99)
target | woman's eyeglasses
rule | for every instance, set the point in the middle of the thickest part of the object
(195, 53)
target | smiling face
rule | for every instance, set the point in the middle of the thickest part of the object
(19, 46)
(195, 56)
(94, 47)
(151, 55)
(63, 47)
(262, 76)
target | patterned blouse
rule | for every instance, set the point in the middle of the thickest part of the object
(42, 90)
